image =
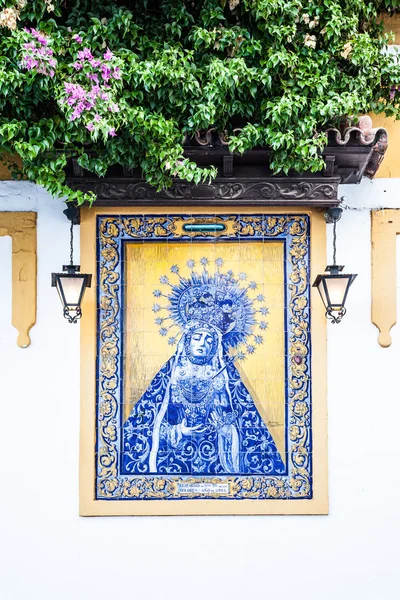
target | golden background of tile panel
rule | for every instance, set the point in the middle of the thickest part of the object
(146, 351)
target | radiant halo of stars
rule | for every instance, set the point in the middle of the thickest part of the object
(242, 330)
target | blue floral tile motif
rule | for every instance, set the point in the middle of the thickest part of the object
(196, 432)
(200, 414)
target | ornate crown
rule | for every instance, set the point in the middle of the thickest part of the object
(219, 299)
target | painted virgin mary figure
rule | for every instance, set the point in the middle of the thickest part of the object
(197, 416)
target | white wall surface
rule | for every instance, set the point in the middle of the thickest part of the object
(48, 552)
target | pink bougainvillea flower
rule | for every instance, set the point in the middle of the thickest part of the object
(77, 38)
(77, 65)
(40, 38)
(108, 55)
(113, 107)
(97, 118)
(111, 132)
(94, 92)
(85, 54)
(39, 58)
(90, 126)
(75, 90)
(105, 72)
(116, 73)
(30, 63)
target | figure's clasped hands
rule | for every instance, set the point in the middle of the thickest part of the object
(218, 423)
(185, 430)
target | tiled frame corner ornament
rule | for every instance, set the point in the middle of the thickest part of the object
(112, 233)
(21, 227)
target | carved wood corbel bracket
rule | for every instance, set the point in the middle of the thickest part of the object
(385, 227)
(21, 227)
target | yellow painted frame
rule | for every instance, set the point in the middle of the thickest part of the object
(21, 227)
(91, 507)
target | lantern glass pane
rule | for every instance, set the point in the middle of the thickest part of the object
(59, 289)
(337, 287)
(321, 289)
(72, 288)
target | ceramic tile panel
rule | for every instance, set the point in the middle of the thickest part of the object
(204, 358)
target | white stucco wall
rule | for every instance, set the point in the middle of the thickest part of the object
(47, 552)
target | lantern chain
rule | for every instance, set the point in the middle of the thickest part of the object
(71, 247)
(334, 243)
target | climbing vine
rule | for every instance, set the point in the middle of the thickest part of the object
(123, 83)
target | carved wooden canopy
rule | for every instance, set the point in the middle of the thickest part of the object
(349, 155)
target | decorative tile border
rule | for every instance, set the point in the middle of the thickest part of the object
(113, 232)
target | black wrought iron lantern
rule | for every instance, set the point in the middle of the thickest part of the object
(71, 284)
(334, 285)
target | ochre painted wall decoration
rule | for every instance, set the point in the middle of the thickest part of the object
(385, 227)
(5, 174)
(21, 227)
(392, 24)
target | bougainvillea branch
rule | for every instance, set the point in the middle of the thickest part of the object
(130, 80)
